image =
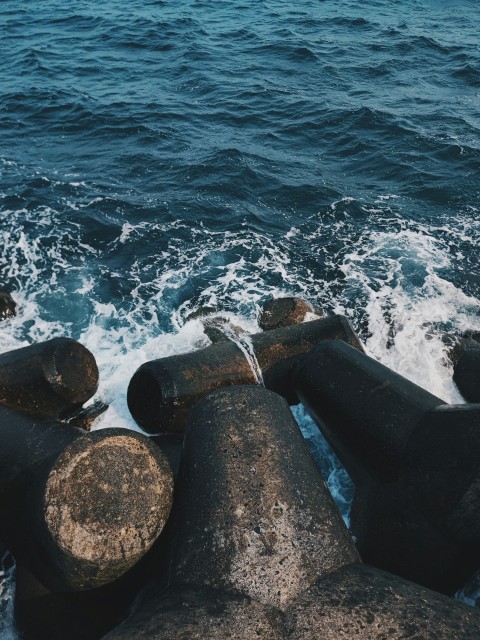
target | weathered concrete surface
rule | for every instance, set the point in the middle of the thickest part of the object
(7, 305)
(362, 603)
(253, 514)
(48, 379)
(283, 312)
(190, 614)
(162, 392)
(366, 411)
(355, 602)
(79, 509)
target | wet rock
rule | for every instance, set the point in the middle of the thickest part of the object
(283, 312)
(358, 601)
(253, 514)
(84, 417)
(466, 371)
(79, 509)
(48, 379)
(199, 615)
(366, 411)
(220, 329)
(7, 305)
(162, 392)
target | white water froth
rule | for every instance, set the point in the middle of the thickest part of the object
(394, 292)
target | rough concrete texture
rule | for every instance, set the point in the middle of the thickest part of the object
(200, 615)
(48, 379)
(362, 603)
(162, 392)
(282, 312)
(106, 501)
(355, 602)
(253, 514)
(366, 411)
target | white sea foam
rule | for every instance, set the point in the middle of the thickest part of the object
(394, 290)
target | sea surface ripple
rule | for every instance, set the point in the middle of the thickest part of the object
(160, 156)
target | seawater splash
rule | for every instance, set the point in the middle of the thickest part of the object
(244, 343)
(7, 594)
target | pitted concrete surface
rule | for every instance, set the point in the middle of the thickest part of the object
(254, 516)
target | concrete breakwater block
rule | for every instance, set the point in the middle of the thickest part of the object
(366, 411)
(415, 462)
(253, 515)
(48, 379)
(258, 548)
(162, 392)
(200, 615)
(426, 525)
(466, 370)
(283, 312)
(79, 509)
(354, 602)
(358, 602)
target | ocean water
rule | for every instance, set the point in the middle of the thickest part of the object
(160, 156)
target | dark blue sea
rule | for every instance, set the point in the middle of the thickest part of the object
(158, 156)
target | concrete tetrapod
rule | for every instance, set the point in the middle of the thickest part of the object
(366, 411)
(253, 515)
(162, 392)
(254, 524)
(394, 439)
(79, 509)
(48, 379)
(427, 524)
(358, 602)
(251, 508)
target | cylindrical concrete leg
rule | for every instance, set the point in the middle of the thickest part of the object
(200, 615)
(162, 392)
(48, 379)
(366, 411)
(79, 509)
(253, 514)
(361, 602)
(466, 371)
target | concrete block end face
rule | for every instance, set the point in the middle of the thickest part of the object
(189, 614)
(150, 397)
(364, 603)
(71, 370)
(106, 501)
(254, 514)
